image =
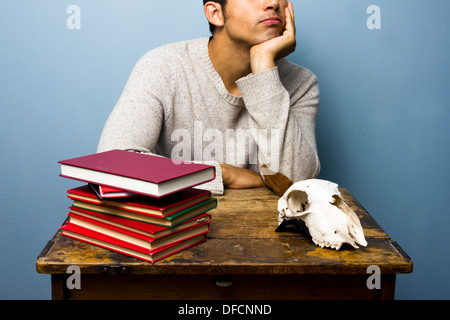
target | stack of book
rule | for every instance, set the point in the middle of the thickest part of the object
(140, 205)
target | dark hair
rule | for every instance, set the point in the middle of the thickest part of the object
(212, 27)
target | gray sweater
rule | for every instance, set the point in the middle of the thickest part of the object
(175, 104)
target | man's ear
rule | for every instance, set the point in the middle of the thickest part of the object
(214, 13)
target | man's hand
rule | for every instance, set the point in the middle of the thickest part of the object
(240, 178)
(264, 55)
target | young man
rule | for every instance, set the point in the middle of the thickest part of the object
(231, 100)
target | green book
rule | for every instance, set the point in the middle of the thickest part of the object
(169, 221)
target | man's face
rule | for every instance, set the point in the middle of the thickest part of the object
(254, 21)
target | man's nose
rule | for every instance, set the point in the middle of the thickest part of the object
(271, 4)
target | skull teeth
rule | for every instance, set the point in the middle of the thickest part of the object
(325, 244)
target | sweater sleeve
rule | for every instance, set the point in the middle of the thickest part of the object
(282, 122)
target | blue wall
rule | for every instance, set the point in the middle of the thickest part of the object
(382, 127)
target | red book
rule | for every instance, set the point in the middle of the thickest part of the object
(111, 243)
(136, 238)
(158, 207)
(137, 172)
(105, 192)
(169, 221)
(137, 228)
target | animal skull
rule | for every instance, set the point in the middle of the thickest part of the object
(318, 203)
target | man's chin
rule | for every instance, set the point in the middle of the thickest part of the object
(268, 35)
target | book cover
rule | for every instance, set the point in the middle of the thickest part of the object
(169, 221)
(137, 172)
(159, 207)
(137, 227)
(105, 192)
(138, 239)
(123, 247)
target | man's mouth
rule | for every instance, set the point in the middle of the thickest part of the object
(272, 21)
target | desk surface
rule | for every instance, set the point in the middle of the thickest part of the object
(242, 241)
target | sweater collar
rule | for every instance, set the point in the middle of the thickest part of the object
(215, 77)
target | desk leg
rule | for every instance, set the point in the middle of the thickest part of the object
(387, 291)
(59, 288)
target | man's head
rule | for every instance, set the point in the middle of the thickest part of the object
(246, 21)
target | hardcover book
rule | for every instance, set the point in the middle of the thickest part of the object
(105, 192)
(138, 239)
(158, 207)
(136, 227)
(145, 174)
(126, 248)
(169, 221)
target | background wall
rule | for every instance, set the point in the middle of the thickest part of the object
(382, 127)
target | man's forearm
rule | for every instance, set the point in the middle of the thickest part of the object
(287, 131)
(240, 178)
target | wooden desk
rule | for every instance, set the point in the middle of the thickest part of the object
(243, 258)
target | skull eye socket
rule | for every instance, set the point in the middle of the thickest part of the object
(297, 201)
